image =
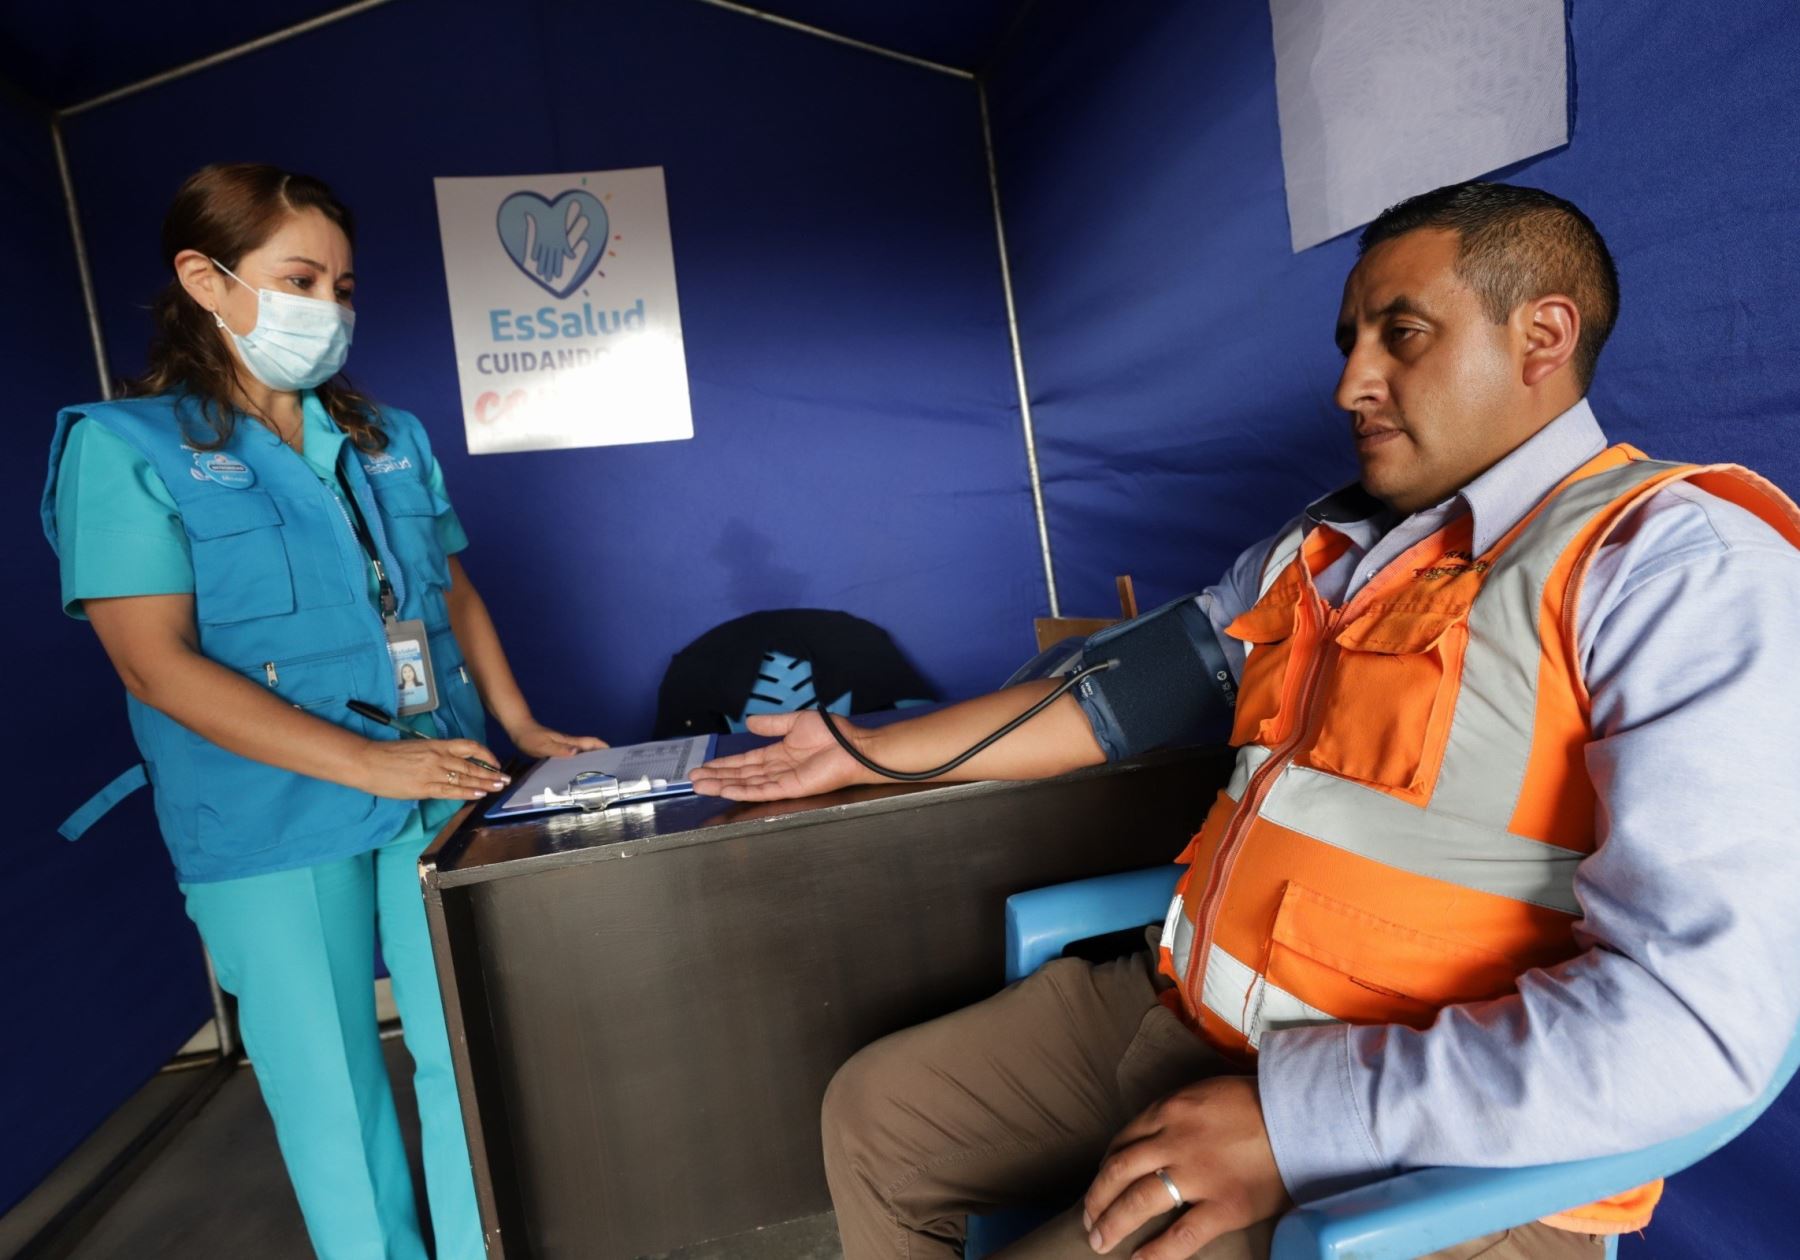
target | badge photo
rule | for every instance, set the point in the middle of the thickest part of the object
(414, 681)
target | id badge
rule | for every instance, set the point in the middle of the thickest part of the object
(410, 652)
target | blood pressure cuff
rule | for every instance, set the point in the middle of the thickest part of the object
(1171, 686)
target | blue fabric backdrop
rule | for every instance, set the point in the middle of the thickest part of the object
(856, 422)
(1180, 355)
(104, 979)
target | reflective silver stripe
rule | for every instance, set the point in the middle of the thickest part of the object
(1249, 1003)
(1379, 827)
(1178, 935)
(1491, 733)
(1250, 757)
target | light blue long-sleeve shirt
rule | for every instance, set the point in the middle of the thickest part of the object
(1687, 991)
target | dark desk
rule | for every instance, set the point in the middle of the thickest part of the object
(646, 1005)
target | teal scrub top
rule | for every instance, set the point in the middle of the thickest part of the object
(120, 534)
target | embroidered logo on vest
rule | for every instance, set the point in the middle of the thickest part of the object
(222, 468)
(386, 464)
(1453, 564)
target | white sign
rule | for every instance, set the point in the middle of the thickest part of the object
(562, 303)
(1382, 101)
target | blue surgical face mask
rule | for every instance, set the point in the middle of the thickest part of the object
(298, 342)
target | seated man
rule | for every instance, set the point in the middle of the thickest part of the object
(1495, 882)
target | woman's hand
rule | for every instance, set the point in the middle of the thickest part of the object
(806, 762)
(536, 740)
(428, 769)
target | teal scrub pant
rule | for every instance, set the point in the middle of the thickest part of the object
(297, 949)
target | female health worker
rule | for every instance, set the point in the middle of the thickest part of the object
(256, 544)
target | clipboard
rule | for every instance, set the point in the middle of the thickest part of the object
(546, 787)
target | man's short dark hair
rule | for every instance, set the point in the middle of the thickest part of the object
(1516, 244)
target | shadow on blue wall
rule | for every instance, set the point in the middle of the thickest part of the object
(104, 979)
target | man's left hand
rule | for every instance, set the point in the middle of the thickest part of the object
(1210, 1139)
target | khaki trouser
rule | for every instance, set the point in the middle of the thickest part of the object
(1013, 1100)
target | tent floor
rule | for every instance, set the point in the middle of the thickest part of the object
(218, 1189)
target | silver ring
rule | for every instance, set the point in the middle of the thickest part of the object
(1162, 1175)
(452, 775)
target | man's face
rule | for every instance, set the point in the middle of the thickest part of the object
(1432, 385)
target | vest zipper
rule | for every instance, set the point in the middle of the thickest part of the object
(271, 670)
(1255, 791)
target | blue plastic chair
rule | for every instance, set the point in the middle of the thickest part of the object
(1412, 1214)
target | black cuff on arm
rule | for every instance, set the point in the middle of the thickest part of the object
(1172, 684)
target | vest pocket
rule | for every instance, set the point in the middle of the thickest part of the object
(467, 719)
(248, 807)
(1268, 630)
(410, 512)
(1387, 699)
(240, 562)
(1364, 969)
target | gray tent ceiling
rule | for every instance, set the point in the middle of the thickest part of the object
(61, 52)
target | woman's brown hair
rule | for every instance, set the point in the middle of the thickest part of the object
(224, 211)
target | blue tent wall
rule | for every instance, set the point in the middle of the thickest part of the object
(840, 295)
(104, 979)
(1180, 355)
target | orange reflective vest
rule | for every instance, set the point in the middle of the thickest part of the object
(1409, 804)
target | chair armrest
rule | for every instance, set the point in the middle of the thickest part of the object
(1428, 1209)
(1041, 922)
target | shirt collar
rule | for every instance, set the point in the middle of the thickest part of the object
(323, 439)
(1498, 499)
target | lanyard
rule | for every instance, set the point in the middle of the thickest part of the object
(388, 603)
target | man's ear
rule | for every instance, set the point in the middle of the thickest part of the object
(1551, 326)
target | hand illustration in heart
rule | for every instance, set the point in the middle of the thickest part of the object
(555, 243)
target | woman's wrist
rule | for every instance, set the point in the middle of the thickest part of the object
(352, 758)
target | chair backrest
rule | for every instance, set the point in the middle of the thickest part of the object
(1051, 630)
(782, 660)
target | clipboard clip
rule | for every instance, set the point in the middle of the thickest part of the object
(593, 790)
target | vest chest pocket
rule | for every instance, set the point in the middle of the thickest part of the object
(1268, 630)
(240, 561)
(1387, 699)
(410, 511)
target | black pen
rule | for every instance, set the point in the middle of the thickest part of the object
(376, 715)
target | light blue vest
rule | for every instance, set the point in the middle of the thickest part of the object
(281, 596)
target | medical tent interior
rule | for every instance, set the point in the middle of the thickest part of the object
(984, 302)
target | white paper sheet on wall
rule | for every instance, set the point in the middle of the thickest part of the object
(1379, 101)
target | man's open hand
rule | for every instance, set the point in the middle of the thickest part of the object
(1210, 1139)
(806, 762)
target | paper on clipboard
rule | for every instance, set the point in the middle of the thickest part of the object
(671, 760)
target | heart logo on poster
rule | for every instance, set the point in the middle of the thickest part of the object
(557, 244)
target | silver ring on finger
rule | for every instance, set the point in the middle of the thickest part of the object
(453, 776)
(1162, 1175)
